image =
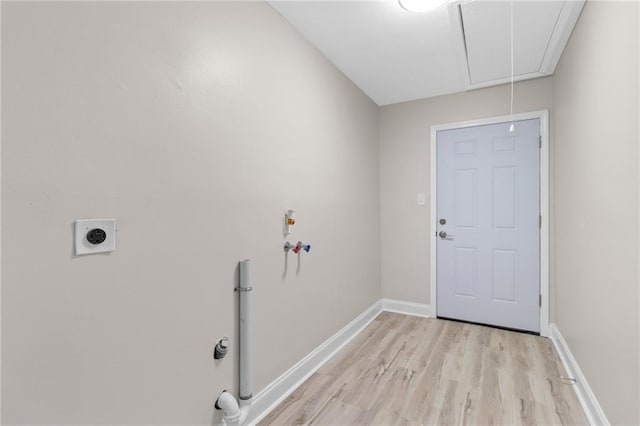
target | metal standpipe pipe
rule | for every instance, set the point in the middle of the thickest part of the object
(234, 413)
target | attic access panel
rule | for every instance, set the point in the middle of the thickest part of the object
(541, 30)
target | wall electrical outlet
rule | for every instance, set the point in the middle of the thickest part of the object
(95, 236)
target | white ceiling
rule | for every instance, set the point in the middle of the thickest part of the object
(396, 56)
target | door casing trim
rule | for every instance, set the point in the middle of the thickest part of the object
(543, 115)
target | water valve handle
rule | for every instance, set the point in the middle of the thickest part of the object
(307, 248)
(297, 248)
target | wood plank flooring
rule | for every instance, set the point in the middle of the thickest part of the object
(404, 370)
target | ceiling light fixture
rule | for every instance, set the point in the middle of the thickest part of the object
(421, 5)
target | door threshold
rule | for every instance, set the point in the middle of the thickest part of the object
(517, 330)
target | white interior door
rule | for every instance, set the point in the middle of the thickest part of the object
(488, 224)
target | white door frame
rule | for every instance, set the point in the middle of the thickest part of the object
(543, 115)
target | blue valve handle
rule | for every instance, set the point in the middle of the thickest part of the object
(307, 248)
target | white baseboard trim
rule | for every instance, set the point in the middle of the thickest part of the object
(407, 308)
(590, 405)
(276, 392)
(272, 395)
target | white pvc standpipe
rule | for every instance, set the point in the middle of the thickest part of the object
(234, 413)
(245, 333)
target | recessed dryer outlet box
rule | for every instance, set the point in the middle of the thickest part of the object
(95, 236)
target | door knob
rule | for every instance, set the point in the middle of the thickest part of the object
(444, 236)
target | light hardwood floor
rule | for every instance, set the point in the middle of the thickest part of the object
(404, 370)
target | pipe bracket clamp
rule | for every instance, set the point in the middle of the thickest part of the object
(243, 289)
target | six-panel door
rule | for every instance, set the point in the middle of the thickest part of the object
(488, 229)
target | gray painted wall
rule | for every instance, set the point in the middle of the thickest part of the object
(196, 125)
(596, 197)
